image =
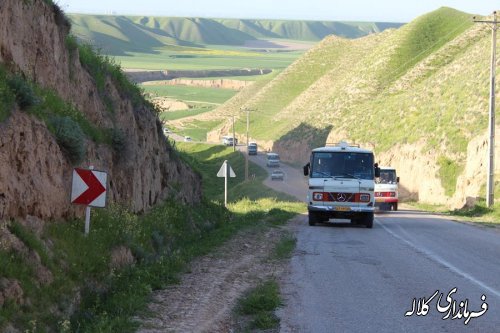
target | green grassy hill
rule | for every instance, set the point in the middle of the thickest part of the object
(393, 75)
(117, 35)
(425, 82)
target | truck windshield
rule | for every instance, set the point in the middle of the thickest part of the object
(342, 165)
(387, 177)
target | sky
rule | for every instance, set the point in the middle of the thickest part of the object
(322, 10)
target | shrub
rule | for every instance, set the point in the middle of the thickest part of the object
(118, 140)
(70, 137)
(449, 171)
(71, 43)
(23, 91)
(6, 97)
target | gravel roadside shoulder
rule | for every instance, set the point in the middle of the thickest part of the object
(204, 299)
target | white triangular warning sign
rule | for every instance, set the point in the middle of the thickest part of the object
(222, 170)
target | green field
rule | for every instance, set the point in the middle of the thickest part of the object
(191, 94)
(207, 59)
(196, 110)
(198, 130)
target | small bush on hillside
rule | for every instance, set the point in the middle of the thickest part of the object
(70, 137)
(23, 91)
(118, 140)
(71, 44)
(61, 19)
(449, 171)
(6, 97)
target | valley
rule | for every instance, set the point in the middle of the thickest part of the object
(183, 244)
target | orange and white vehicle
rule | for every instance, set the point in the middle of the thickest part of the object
(386, 189)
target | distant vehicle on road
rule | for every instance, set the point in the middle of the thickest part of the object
(277, 175)
(166, 130)
(273, 160)
(386, 189)
(187, 139)
(228, 140)
(252, 148)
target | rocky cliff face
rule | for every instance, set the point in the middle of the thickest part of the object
(417, 168)
(35, 175)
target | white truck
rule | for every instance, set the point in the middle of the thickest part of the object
(386, 189)
(341, 184)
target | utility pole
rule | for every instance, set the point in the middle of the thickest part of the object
(248, 125)
(246, 159)
(491, 143)
(234, 139)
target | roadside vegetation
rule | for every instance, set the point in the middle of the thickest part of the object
(256, 310)
(100, 282)
(478, 213)
(69, 125)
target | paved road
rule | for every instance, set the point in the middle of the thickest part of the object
(352, 279)
(294, 182)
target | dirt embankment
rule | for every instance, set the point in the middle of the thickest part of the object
(35, 174)
(218, 83)
(144, 76)
(204, 299)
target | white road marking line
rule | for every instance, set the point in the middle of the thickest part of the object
(443, 262)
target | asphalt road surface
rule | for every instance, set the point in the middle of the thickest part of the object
(352, 279)
(413, 272)
(293, 183)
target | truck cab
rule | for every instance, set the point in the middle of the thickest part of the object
(229, 140)
(386, 189)
(252, 148)
(341, 184)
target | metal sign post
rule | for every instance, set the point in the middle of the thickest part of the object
(89, 189)
(87, 220)
(225, 171)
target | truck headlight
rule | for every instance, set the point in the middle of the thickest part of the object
(318, 196)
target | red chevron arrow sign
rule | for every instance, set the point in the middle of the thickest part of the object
(89, 187)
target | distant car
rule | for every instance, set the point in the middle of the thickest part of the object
(277, 175)
(252, 148)
(273, 160)
(187, 139)
(166, 130)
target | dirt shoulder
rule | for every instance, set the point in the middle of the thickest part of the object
(206, 295)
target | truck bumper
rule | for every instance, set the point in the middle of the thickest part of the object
(335, 212)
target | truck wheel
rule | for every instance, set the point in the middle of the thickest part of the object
(395, 206)
(313, 219)
(368, 220)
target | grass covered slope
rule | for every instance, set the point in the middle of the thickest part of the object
(424, 80)
(425, 85)
(103, 281)
(118, 35)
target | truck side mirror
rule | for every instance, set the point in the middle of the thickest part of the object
(306, 169)
(377, 170)
(397, 179)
